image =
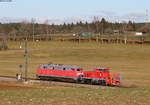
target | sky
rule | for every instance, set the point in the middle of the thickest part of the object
(60, 11)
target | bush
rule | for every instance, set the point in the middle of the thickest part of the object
(3, 47)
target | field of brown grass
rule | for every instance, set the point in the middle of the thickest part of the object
(131, 60)
(75, 96)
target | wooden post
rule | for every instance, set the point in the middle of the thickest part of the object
(26, 60)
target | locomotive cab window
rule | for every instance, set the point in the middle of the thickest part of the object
(72, 69)
(101, 70)
(78, 70)
(104, 71)
(44, 67)
(115, 78)
(50, 67)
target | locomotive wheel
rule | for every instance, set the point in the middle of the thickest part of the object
(37, 77)
(102, 82)
(80, 79)
(88, 81)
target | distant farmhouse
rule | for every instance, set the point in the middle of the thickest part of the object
(145, 30)
(138, 33)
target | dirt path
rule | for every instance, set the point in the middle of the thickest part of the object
(32, 83)
(10, 83)
(7, 79)
(12, 86)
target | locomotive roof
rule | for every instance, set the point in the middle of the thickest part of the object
(100, 67)
(61, 66)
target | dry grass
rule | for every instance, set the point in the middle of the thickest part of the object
(132, 61)
(76, 96)
(7, 86)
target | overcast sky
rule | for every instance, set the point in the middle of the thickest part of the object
(74, 10)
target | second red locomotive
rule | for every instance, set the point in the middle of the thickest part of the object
(72, 72)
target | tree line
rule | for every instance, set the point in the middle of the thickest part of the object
(97, 26)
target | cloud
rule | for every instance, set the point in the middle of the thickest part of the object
(50, 21)
(108, 15)
(11, 20)
(137, 17)
(114, 17)
(58, 21)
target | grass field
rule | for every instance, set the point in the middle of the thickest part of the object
(131, 60)
(76, 96)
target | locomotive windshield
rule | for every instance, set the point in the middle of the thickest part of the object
(101, 69)
(78, 69)
(115, 78)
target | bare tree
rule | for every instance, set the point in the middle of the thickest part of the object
(13, 33)
(96, 20)
(24, 28)
(33, 29)
(47, 27)
(4, 45)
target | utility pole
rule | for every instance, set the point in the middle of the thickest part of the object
(146, 24)
(4, 45)
(147, 16)
(47, 29)
(26, 59)
(33, 28)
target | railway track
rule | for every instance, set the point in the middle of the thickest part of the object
(54, 83)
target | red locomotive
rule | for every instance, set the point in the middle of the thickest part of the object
(72, 72)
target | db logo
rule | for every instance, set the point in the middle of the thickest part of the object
(79, 73)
